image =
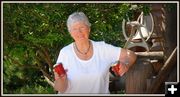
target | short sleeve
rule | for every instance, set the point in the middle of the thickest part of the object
(65, 56)
(110, 52)
(60, 57)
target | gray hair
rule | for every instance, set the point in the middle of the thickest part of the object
(76, 17)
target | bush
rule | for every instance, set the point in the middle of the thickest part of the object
(34, 89)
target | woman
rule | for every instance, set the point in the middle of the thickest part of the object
(87, 62)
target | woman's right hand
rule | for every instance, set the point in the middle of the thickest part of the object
(60, 83)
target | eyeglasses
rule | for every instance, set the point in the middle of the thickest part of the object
(79, 29)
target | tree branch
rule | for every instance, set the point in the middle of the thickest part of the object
(49, 81)
(47, 58)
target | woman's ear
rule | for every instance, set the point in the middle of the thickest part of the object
(71, 34)
(89, 30)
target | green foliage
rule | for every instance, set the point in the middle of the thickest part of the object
(33, 89)
(33, 34)
(170, 6)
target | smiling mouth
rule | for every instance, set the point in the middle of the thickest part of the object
(81, 37)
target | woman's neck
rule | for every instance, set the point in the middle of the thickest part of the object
(82, 46)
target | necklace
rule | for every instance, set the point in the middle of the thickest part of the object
(80, 51)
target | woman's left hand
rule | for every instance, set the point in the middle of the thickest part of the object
(127, 59)
(120, 69)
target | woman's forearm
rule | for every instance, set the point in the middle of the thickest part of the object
(61, 84)
(127, 59)
(132, 58)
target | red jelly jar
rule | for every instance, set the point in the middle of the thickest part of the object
(116, 67)
(59, 69)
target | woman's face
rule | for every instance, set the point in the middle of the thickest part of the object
(79, 31)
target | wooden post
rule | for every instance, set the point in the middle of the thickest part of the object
(151, 55)
(139, 77)
(164, 72)
(136, 77)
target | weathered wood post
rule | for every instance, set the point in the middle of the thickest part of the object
(140, 75)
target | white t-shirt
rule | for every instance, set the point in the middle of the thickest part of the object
(89, 76)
